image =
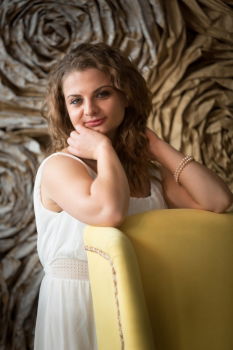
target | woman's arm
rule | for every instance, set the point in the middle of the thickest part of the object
(198, 187)
(102, 201)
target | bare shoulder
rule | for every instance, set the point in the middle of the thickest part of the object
(61, 171)
(63, 176)
(60, 165)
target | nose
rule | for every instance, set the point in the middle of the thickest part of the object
(90, 108)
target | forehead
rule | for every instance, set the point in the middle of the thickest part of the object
(86, 81)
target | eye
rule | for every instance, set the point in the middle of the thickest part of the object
(103, 94)
(76, 101)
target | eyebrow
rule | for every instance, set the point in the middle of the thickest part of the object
(99, 88)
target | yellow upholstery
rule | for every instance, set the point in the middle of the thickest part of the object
(184, 290)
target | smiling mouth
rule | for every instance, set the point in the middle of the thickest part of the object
(95, 122)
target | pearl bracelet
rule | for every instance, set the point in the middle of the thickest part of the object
(181, 166)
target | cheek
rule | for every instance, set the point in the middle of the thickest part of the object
(74, 116)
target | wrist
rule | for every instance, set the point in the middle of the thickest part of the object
(103, 147)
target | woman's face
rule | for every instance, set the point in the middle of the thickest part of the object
(92, 100)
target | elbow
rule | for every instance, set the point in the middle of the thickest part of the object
(112, 217)
(224, 208)
(221, 206)
(113, 214)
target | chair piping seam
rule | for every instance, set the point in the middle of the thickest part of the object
(114, 275)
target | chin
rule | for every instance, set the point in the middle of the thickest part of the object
(100, 131)
(109, 133)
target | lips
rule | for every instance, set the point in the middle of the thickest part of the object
(95, 122)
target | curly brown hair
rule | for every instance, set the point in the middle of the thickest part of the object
(132, 143)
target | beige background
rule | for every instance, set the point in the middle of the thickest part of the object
(184, 48)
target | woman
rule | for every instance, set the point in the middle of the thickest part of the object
(106, 164)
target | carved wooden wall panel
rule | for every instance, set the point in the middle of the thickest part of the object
(184, 48)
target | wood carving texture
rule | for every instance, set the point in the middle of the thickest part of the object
(184, 48)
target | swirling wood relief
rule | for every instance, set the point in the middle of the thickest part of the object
(185, 51)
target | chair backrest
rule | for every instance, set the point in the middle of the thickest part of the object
(185, 283)
(120, 311)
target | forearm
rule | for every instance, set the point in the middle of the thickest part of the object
(110, 187)
(105, 199)
(205, 187)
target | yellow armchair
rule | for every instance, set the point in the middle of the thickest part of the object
(163, 280)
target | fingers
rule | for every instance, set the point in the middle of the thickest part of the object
(79, 128)
(151, 134)
(149, 131)
(72, 149)
(74, 138)
(73, 134)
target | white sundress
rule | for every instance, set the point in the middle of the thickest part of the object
(65, 318)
